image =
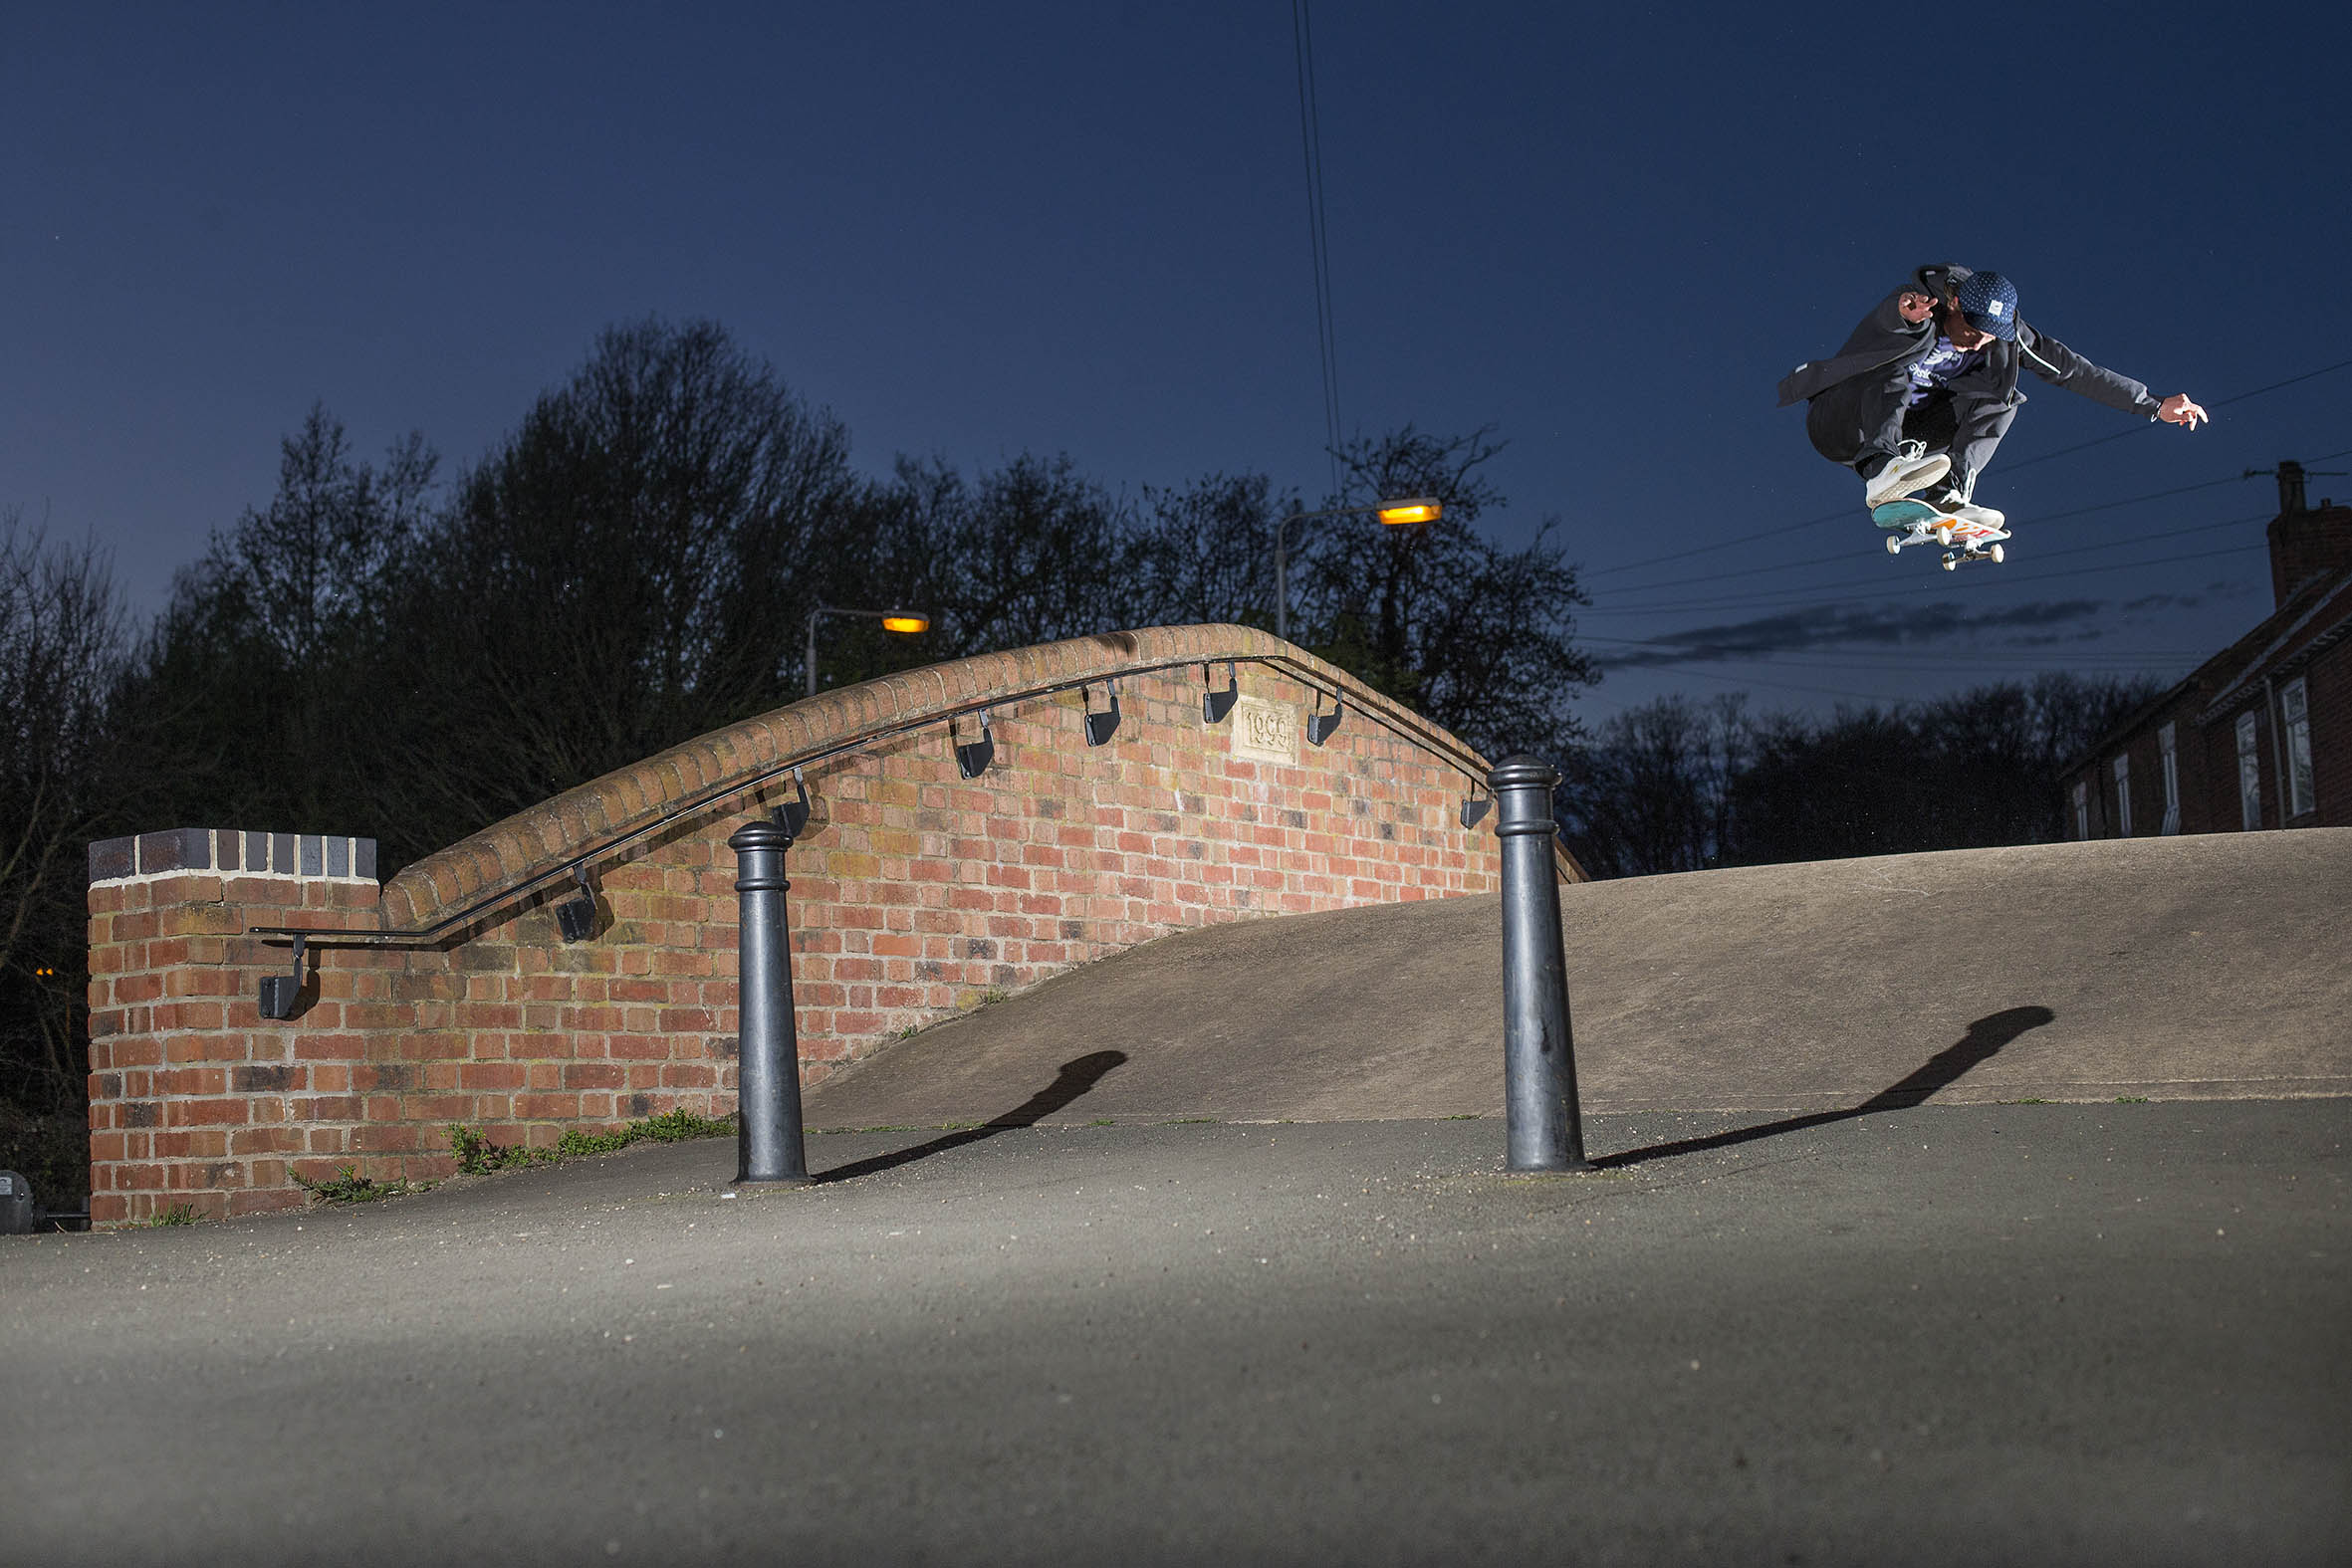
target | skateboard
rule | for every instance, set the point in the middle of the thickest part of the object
(1917, 523)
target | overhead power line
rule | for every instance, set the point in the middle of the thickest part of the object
(1977, 579)
(1749, 537)
(2038, 522)
(1999, 654)
(1770, 597)
(1310, 145)
(2084, 446)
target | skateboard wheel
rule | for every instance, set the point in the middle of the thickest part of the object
(1943, 533)
(1950, 563)
(1894, 545)
(1997, 553)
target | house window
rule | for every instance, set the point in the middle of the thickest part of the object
(2295, 705)
(2123, 797)
(2167, 752)
(2082, 809)
(2250, 775)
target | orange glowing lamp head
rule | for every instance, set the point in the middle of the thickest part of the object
(1420, 508)
(902, 621)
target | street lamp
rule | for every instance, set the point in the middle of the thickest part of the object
(1414, 509)
(906, 622)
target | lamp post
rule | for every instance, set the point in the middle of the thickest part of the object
(1415, 509)
(906, 622)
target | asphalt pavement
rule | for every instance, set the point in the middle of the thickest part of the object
(2062, 1333)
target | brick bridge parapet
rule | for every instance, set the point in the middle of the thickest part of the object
(448, 994)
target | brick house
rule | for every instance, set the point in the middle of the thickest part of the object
(2261, 734)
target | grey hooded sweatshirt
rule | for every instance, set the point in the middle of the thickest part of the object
(1884, 339)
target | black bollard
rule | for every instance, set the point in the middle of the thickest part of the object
(1542, 1129)
(769, 1135)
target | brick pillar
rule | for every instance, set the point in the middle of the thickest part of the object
(194, 1098)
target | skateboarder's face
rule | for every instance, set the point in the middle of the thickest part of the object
(1956, 327)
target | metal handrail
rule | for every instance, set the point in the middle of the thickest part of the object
(1402, 723)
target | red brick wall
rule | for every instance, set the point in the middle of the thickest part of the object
(914, 893)
(192, 1099)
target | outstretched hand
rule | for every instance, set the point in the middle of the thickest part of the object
(2177, 410)
(1915, 306)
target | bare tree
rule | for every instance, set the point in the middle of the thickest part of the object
(61, 647)
(1653, 791)
(630, 568)
(1477, 637)
(1028, 552)
(241, 704)
(1972, 769)
(307, 569)
(1205, 550)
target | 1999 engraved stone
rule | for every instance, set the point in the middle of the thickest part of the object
(1265, 731)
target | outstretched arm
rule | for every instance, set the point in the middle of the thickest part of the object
(2060, 365)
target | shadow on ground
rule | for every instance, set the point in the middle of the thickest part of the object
(1074, 1080)
(1985, 1037)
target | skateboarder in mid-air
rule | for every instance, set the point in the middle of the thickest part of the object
(1924, 388)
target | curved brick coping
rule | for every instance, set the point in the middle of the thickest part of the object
(508, 860)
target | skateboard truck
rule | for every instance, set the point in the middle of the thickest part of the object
(1954, 559)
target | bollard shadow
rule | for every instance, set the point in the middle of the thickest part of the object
(1074, 1080)
(1985, 1037)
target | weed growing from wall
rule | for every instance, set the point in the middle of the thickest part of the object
(348, 1186)
(477, 1156)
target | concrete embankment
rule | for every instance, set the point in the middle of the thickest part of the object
(2209, 966)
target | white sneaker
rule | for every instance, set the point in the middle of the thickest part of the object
(1949, 505)
(1903, 476)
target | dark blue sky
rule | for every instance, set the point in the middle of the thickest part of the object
(975, 230)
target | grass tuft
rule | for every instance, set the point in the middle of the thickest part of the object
(348, 1186)
(477, 1155)
(676, 1126)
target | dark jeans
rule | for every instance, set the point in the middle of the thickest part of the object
(1864, 418)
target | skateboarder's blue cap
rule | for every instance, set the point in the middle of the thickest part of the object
(1989, 302)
